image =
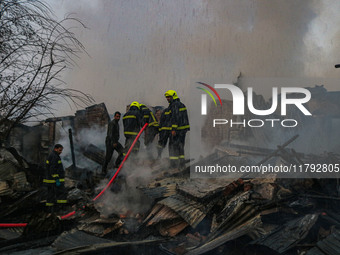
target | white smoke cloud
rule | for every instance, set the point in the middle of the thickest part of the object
(94, 135)
(123, 196)
(138, 51)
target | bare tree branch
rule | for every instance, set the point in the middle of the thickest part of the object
(35, 50)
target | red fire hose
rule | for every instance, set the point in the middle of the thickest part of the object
(121, 165)
(13, 225)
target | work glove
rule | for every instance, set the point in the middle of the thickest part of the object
(57, 182)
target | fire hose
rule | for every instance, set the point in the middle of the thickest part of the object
(13, 225)
(121, 165)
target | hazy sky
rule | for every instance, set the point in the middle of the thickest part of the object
(139, 49)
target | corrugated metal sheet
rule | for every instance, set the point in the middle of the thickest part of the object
(191, 211)
(204, 188)
(158, 192)
(4, 189)
(233, 206)
(20, 177)
(76, 238)
(10, 233)
(172, 229)
(288, 236)
(7, 170)
(153, 212)
(241, 230)
(80, 243)
(329, 246)
(163, 214)
(20, 181)
(162, 188)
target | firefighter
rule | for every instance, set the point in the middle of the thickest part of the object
(54, 179)
(132, 121)
(164, 131)
(112, 143)
(179, 126)
(152, 130)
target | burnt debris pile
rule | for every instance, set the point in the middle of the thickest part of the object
(258, 191)
(172, 213)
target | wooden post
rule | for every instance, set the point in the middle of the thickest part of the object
(72, 148)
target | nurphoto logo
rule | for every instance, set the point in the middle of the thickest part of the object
(238, 101)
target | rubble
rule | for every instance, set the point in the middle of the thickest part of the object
(198, 215)
(328, 246)
(186, 215)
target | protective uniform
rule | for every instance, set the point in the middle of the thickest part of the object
(55, 182)
(180, 124)
(112, 138)
(164, 131)
(152, 130)
(132, 121)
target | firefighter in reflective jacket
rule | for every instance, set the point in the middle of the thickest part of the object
(152, 130)
(54, 179)
(132, 121)
(179, 126)
(164, 131)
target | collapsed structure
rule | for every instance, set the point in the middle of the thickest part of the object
(170, 213)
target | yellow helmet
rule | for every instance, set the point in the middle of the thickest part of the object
(171, 93)
(134, 103)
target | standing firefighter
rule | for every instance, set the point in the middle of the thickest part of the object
(112, 143)
(179, 126)
(152, 130)
(54, 179)
(132, 123)
(164, 131)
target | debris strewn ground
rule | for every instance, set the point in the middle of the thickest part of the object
(183, 215)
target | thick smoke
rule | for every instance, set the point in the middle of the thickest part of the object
(138, 51)
(123, 196)
(94, 135)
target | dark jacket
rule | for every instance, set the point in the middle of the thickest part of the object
(112, 135)
(165, 120)
(132, 121)
(148, 117)
(178, 116)
(54, 168)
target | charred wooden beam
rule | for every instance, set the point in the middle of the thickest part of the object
(72, 147)
(279, 148)
(94, 153)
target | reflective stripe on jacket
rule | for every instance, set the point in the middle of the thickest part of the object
(132, 121)
(165, 123)
(178, 115)
(148, 117)
(54, 168)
